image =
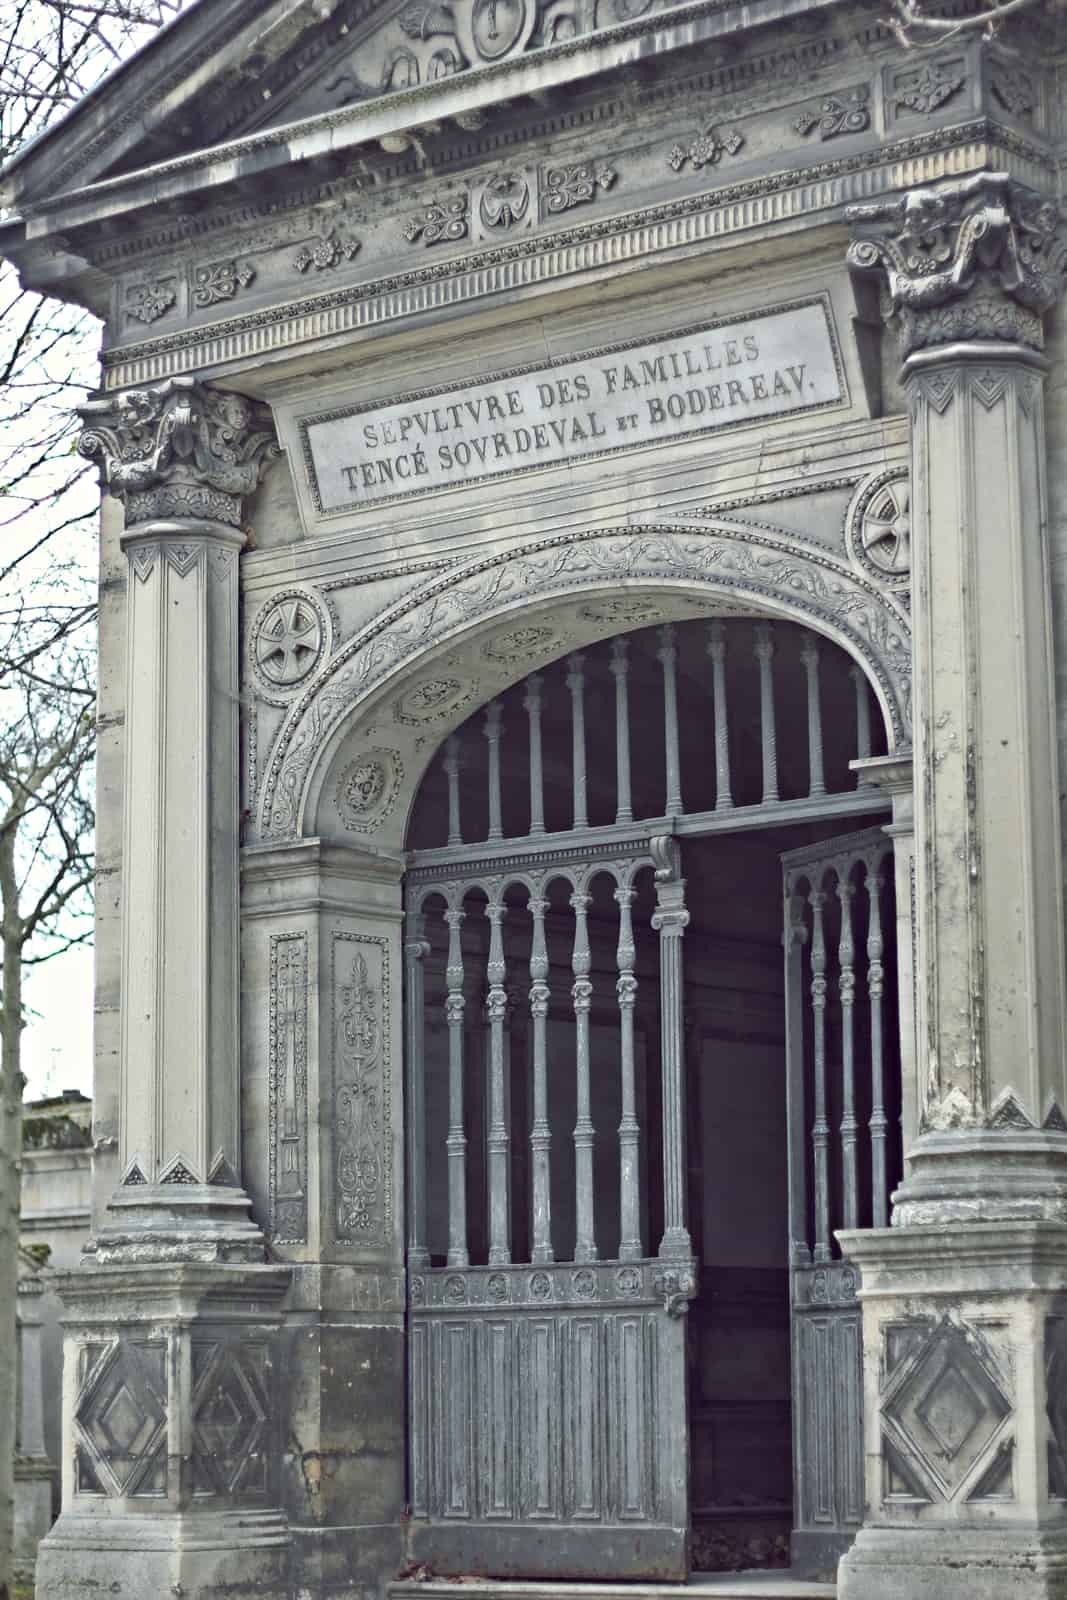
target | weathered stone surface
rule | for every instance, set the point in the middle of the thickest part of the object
(394, 212)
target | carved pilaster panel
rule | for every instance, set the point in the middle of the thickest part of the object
(287, 1087)
(362, 1178)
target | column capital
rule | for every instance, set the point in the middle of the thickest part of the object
(982, 259)
(179, 450)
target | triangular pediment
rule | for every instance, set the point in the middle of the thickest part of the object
(226, 69)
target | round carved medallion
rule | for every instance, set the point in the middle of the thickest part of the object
(367, 790)
(432, 700)
(625, 609)
(879, 527)
(500, 26)
(583, 1284)
(540, 1286)
(522, 644)
(288, 639)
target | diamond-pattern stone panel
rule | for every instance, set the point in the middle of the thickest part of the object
(120, 1419)
(231, 1417)
(945, 1406)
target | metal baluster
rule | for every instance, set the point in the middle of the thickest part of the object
(764, 649)
(540, 1131)
(416, 949)
(670, 921)
(668, 655)
(629, 1129)
(820, 1131)
(456, 1142)
(576, 685)
(846, 953)
(582, 995)
(875, 981)
(863, 718)
(620, 667)
(532, 703)
(724, 800)
(453, 763)
(810, 656)
(494, 728)
(795, 937)
(498, 1137)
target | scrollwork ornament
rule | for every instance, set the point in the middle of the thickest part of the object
(983, 258)
(182, 449)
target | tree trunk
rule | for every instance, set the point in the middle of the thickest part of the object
(11, 1085)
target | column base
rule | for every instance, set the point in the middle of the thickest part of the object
(235, 1554)
(984, 1175)
(955, 1564)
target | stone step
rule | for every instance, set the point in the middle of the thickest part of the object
(762, 1585)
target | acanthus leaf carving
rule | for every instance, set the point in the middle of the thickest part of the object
(979, 258)
(182, 449)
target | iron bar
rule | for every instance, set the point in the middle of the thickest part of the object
(582, 995)
(540, 1131)
(453, 752)
(724, 800)
(576, 685)
(494, 728)
(498, 1137)
(668, 656)
(820, 1132)
(620, 668)
(764, 650)
(629, 1129)
(809, 655)
(456, 1141)
(416, 949)
(846, 954)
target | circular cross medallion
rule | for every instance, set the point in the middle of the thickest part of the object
(879, 528)
(288, 640)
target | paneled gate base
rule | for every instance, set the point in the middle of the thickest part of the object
(550, 1261)
(550, 1418)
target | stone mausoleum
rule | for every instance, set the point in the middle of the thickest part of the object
(581, 1074)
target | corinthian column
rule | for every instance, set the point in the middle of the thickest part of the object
(172, 1417)
(964, 1457)
(180, 458)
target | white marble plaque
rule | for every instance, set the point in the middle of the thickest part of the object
(716, 376)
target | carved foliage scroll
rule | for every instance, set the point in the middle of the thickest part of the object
(288, 1086)
(362, 1193)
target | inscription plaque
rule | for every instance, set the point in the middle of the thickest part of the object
(714, 376)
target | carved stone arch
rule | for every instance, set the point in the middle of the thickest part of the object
(544, 599)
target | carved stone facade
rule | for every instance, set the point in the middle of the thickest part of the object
(525, 557)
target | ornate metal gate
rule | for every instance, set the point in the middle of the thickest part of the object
(550, 1264)
(843, 1077)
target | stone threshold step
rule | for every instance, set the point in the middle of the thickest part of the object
(764, 1585)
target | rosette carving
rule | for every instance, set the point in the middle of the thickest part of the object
(980, 259)
(179, 450)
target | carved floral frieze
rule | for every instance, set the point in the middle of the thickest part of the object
(147, 302)
(575, 185)
(440, 222)
(836, 114)
(928, 87)
(707, 149)
(216, 281)
(330, 250)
